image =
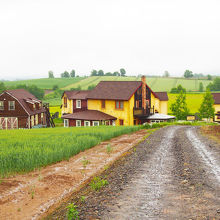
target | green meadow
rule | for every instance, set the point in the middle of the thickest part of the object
(193, 101)
(24, 150)
(45, 83)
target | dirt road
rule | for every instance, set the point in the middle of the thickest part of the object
(174, 174)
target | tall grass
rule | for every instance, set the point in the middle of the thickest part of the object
(25, 150)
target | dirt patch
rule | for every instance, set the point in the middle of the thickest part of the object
(38, 192)
(212, 132)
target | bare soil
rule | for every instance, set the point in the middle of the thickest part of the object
(173, 174)
(32, 195)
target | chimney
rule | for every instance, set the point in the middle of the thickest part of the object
(143, 79)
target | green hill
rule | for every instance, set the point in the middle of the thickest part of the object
(45, 83)
(155, 83)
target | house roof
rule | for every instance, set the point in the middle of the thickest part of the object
(77, 94)
(89, 115)
(216, 97)
(162, 96)
(24, 97)
(114, 90)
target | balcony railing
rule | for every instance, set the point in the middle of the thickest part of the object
(141, 112)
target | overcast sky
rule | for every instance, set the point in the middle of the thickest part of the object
(142, 36)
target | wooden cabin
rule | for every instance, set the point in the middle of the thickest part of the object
(20, 109)
(116, 103)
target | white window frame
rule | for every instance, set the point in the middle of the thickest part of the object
(66, 123)
(78, 103)
(77, 123)
(113, 123)
(9, 105)
(86, 122)
(2, 106)
(93, 123)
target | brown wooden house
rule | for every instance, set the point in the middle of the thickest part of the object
(20, 109)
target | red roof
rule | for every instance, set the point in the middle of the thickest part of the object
(216, 97)
(77, 94)
(23, 98)
(89, 115)
(114, 90)
(162, 96)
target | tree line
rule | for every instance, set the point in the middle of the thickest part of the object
(72, 74)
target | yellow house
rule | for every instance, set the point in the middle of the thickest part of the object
(114, 103)
(216, 97)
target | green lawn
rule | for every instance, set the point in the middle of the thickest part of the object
(45, 83)
(25, 150)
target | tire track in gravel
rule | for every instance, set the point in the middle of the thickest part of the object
(148, 192)
(213, 166)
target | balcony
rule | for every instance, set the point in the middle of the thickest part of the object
(141, 112)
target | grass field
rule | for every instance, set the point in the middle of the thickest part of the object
(193, 101)
(25, 150)
(45, 83)
(156, 84)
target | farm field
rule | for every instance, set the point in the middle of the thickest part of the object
(45, 83)
(193, 101)
(25, 150)
(156, 84)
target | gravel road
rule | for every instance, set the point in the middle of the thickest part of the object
(174, 174)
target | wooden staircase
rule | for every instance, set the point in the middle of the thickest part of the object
(49, 119)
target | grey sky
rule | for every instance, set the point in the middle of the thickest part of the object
(142, 36)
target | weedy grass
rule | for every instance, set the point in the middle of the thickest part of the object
(25, 150)
(72, 212)
(97, 183)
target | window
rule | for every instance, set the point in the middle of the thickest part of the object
(1, 105)
(65, 102)
(103, 103)
(11, 105)
(87, 123)
(119, 104)
(66, 123)
(95, 123)
(78, 123)
(113, 123)
(121, 122)
(36, 119)
(32, 120)
(42, 118)
(78, 103)
(34, 106)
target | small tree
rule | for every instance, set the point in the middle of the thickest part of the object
(94, 73)
(72, 73)
(188, 74)
(209, 77)
(65, 75)
(206, 109)
(50, 74)
(179, 107)
(116, 73)
(201, 87)
(166, 74)
(100, 73)
(122, 71)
